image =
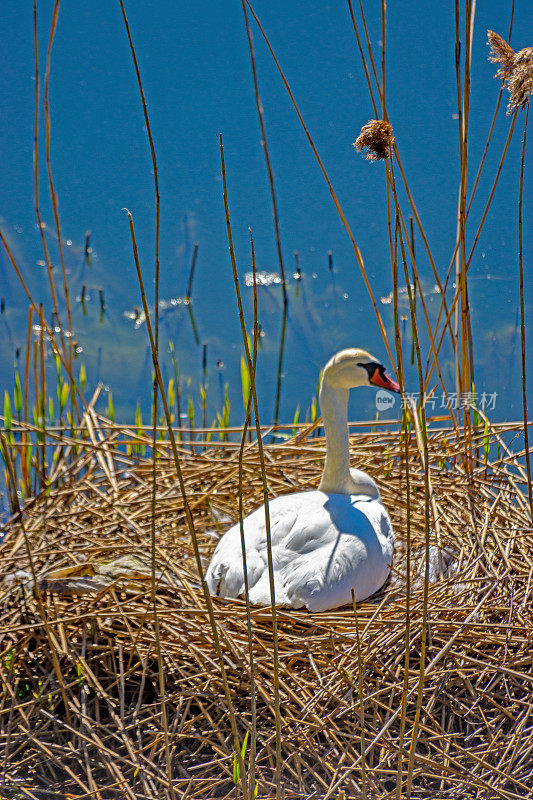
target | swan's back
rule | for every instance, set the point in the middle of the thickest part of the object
(323, 546)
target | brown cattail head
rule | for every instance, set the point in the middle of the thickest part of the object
(377, 137)
(516, 69)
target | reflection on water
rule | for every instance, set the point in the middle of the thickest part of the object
(403, 294)
(262, 278)
(137, 315)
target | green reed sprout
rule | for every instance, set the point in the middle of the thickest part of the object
(223, 417)
(486, 442)
(138, 448)
(83, 378)
(295, 420)
(245, 381)
(110, 408)
(8, 418)
(17, 394)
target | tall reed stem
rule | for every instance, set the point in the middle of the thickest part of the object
(405, 437)
(360, 696)
(277, 711)
(253, 690)
(188, 515)
(264, 145)
(157, 633)
(53, 194)
(421, 430)
(336, 202)
(522, 312)
(40, 223)
(463, 375)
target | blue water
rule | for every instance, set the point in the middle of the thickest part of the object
(195, 66)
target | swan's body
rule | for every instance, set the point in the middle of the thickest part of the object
(325, 543)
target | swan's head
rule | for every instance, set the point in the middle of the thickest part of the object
(354, 367)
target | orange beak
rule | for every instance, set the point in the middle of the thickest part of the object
(383, 381)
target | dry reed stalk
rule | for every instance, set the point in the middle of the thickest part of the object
(355, 247)
(491, 130)
(251, 372)
(475, 735)
(522, 314)
(464, 377)
(155, 395)
(391, 186)
(189, 518)
(53, 195)
(249, 630)
(378, 136)
(395, 147)
(405, 459)
(383, 59)
(264, 145)
(36, 181)
(360, 696)
(363, 59)
(421, 440)
(517, 71)
(456, 297)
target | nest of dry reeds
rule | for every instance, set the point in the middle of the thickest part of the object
(82, 705)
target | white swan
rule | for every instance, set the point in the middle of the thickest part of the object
(325, 542)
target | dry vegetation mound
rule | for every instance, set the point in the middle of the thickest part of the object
(81, 697)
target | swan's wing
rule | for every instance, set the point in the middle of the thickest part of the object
(326, 579)
(323, 546)
(353, 552)
(225, 575)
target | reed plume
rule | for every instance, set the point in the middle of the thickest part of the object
(516, 69)
(377, 137)
(501, 53)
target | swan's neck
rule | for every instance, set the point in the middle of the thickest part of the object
(334, 406)
(337, 477)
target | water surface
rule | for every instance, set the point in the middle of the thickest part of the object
(196, 72)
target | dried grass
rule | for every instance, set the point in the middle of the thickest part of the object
(476, 726)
